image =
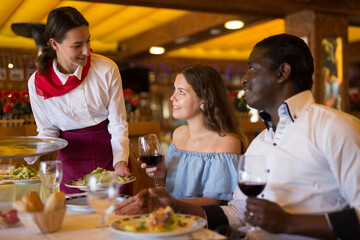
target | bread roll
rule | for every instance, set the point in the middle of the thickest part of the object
(33, 202)
(19, 205)
(54, 202)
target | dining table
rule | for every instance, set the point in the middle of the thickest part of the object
(83, 223)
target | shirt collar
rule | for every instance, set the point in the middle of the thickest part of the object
(62, 76)
(293, 107)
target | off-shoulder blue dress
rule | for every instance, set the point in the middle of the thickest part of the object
(197, 174)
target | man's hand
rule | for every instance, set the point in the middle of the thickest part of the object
(267, 215)
(135, 205)
(122, 169)
(147, 200)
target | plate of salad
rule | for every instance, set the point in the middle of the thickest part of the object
(162, 223)
(101, 174)
(24, 175)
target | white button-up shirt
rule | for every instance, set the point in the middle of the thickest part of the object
(97, 98)
(313, 159)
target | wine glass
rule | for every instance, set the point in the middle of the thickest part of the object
(51, 173)
(102, 192)
(252, 177)
(150, 152)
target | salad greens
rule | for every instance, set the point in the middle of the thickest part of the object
(24, 173)
(102, 176)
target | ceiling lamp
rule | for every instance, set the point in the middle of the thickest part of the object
(235, 24)
(157, 50)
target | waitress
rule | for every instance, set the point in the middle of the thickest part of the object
(78, 96)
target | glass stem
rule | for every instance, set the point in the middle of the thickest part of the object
(102, 221)
(157, 185)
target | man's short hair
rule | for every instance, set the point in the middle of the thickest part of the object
(286, 48)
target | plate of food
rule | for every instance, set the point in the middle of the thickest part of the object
(18, 147)
(101, 174)
(78, 201)
(162, 223)
(24, 175)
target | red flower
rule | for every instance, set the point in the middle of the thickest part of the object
(6, 92)
(234, 93)
(7, 107)
(15, 94)
(133, 102)
(24, 93)
(127, 92)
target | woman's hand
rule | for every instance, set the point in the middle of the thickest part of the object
(158, 171)
(122, 169)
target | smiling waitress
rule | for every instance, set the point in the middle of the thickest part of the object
(78, 96)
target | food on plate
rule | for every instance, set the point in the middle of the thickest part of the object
(102, 176)
(16, 150)
(162, 220)
(55, 202)
(8, 218)
(24, 173)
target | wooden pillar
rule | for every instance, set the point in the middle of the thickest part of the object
(317, 28)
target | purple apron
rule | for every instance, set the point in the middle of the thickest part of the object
(87, 149)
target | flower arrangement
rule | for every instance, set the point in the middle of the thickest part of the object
(354, 99)
(14, 103)
(239, 102)
(131, 100)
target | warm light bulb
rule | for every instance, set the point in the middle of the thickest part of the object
(236, 24)
(10, 65)
(157, 50)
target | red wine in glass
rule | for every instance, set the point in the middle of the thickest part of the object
(151, 160)
(252, 178)
(251, 189)
(150, 152)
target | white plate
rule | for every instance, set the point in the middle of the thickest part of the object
(83, 187)
(24, 181)
(194, 223)
(79, 201)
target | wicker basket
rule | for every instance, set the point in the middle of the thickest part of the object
(40, 222)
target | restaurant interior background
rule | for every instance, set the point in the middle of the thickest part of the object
(191, 32)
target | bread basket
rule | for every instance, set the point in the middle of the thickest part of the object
(40, 222)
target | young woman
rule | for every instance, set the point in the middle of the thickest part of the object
(201, 160)
(77, 96)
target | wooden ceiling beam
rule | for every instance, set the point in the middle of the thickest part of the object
(262, 7)
(189, 25)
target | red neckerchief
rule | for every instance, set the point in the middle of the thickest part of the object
(49, 84)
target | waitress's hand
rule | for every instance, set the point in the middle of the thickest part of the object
(122, 169)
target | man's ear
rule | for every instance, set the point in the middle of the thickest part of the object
(284, 71)
(53, 43)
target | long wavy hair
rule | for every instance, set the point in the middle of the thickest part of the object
(59, 22)
(219, 115)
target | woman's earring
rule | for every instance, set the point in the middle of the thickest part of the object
(202, 107)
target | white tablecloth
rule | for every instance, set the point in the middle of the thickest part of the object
(80, 226)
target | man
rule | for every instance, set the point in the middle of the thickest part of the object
(312, 155)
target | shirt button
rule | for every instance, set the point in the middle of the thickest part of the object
(274, 144)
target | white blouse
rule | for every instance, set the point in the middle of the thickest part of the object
(97, 98)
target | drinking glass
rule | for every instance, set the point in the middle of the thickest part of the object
(102, 192)
(252, 177)
(51, 173)
(150, 152)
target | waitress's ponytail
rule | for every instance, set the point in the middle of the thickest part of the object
(46, 53)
